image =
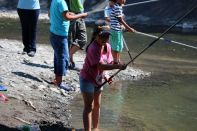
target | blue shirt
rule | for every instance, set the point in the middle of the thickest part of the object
(59, 25)
(28, 4)
(115, 13)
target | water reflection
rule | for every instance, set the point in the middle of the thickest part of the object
(162, 102)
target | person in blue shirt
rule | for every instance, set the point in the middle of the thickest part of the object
(59, 25)
(28, 11)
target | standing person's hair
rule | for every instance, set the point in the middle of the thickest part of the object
(113, 0)
(98, 27)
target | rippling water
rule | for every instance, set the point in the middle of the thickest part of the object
(165, 101)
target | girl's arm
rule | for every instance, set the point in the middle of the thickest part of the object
(71, 16)
(111, 66)
(122, 21)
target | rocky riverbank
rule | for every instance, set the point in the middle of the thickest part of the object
(31, 98)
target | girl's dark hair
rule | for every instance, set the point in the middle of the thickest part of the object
(96, 30)
(113, 1)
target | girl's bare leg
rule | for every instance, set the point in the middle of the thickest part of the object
(96, 110)
(115, 56)
(87, 112)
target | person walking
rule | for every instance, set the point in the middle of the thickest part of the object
(77, 38)
(98, 59)
(28, 11)
(59, 25)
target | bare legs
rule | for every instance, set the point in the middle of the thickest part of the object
(73, 50)
(91, 112)
(96, 110)
(116, 56)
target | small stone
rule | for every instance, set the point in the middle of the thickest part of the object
(55, 90)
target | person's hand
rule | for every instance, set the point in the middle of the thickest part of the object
(131, 30)
(84, 15)
(122, 66)
(123, 28)
(108, 79)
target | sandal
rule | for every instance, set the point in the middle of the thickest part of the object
(64, 86)
(3, 88)
(72, 66)
(54, 82)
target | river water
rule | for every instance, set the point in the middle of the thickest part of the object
(165, 101)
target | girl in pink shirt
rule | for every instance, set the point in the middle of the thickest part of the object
(98, 59)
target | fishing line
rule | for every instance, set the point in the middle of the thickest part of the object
(153, 42)
(132, 4)
(167, 40)
(125, 44)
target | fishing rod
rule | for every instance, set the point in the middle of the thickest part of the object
(167, 40)
(132, 4)
(125, 44)
(153, 42)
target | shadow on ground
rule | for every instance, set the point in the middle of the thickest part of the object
(5, 128)
(43, 127)
(25, 75)
(36, 65)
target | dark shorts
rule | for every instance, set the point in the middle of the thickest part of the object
(77, 33)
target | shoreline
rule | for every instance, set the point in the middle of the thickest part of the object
(14, 15)
(31, 97)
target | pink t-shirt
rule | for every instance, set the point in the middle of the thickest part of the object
(94, 56)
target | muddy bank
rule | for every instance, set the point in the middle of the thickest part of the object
(31, 97)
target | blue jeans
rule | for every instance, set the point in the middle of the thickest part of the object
(29, 19)
(61, 54)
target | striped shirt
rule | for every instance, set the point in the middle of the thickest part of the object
(116, 12)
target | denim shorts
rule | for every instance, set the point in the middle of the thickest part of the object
(61, 54)
(116, 40)
(87, 86)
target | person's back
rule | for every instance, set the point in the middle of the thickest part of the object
(116, 12)
(76, 6)
(59, 25)
(28, 4)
